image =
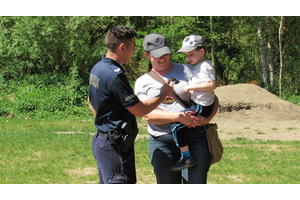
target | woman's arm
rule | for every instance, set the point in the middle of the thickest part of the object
(159, 116)
(205, 120)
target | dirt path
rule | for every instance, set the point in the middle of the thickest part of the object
(265, 130)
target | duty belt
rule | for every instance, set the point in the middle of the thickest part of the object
(100, 133)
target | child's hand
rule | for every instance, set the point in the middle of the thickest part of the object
(186, 89)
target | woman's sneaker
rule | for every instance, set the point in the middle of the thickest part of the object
(184, 163)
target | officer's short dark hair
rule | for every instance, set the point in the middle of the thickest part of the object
(117, 35)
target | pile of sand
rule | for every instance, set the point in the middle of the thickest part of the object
(247, 110)
(248, 101)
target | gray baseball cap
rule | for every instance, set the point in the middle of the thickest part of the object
(191, 42)
(156, 44)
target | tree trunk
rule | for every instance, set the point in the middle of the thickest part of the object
(219, 69)
(213, 57)
(220, 72)
(262, 54)
(280, 54)
(271, 63)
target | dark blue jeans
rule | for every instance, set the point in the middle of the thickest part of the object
(164, 153)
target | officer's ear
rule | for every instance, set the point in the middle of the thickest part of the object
(122, 47)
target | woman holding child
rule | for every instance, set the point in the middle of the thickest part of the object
(162, 149)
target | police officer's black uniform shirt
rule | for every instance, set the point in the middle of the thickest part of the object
(110, 95)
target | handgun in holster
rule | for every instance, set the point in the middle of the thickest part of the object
(128, 137)
(114, 137)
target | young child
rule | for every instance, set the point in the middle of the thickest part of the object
(201, 86)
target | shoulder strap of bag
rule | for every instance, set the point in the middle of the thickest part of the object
(158, 78)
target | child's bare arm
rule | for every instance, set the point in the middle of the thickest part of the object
(203, 87)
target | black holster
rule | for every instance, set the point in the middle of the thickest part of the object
(129, 137)
(124, 136)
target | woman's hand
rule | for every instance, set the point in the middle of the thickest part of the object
(202, 120)
(187, 118)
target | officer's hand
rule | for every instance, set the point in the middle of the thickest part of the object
(167, 88)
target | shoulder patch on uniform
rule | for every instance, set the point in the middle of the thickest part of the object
(117, 70)
(94, 81)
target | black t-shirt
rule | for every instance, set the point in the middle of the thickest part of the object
(110, 95)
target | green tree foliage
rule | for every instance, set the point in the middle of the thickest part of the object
(291, 46)
(69, 46)
(37, 45)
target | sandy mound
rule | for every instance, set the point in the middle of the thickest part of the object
(248, 101)
(247, 110)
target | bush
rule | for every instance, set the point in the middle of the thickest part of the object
(294, 99)
(47, 95)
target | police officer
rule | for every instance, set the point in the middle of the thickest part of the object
(113, 102)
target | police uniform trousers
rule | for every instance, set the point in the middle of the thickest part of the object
(114, 166)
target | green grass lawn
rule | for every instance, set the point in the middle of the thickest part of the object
(59, 151)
